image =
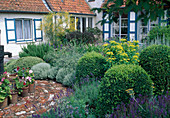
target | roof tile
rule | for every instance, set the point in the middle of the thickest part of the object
(23, 5)
(72, 6)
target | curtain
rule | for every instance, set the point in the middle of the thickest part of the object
(19, 29)
(27, 29)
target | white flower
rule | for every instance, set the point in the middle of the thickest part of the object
(27, 78)
(30, 71)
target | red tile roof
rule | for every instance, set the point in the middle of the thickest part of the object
(110, 3)
(23, 6)
(71, 6)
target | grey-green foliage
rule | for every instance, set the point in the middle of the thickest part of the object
(62, 72)
(69, 79)
(41, 70)
(53, 72)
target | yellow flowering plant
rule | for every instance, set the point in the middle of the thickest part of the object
(123, 52)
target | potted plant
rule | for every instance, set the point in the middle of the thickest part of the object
(4, 92)
(30, 79)
(22, 87)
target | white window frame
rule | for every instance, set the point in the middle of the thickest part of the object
(81, 22)
(23, 31)
(119, 27)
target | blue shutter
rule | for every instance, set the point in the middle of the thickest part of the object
(38, 34)
(132, 26)
(10, 30)
(106, 29)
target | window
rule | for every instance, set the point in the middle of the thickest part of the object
(90, 22)
(81, 23)
(23, 29)
(146, 27)
(78, 23)
(84, 24)
(121, 27)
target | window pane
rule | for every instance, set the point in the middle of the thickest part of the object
(84, 24)
(124, 30)
(78, 23)
(115, 30)
(90, 22)
(19, 29)
(27, 29)
(72, 20)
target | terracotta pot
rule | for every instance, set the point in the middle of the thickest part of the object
(4, 103)
(24, 93)
(14, 74)
(31, 88)
(14, 98)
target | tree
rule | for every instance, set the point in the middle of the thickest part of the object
(56, 26)
(149, 9)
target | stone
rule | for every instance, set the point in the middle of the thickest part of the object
(45, 91)
(32, 111)
(20, 113)
(52, 103)
(51, 97)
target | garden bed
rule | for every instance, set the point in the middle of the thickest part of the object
(35, 103)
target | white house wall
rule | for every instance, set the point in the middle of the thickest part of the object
(14, 48)
(98, 17)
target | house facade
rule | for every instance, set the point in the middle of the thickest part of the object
(20, 20)
(20, 23)
(126, 27)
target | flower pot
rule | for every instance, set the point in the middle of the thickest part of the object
(31, 88)
(4, 103)
(14, 98)
(24, 92)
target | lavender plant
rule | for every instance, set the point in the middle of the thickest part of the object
(144, 107)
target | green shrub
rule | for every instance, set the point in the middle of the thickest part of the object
(96, 31)
(79, 37)
(24, 62)
(119, 79)
(159, 35)
(53, 72)
(35, 50)
(49, 57)
(155, 60)
(90, 63)
(10, 61)
(41, 70)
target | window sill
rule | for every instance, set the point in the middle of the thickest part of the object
(24, 42)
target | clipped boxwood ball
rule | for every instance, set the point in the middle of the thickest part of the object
(91, 64)
(24, 62)
(116, 83)
(155, 60)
